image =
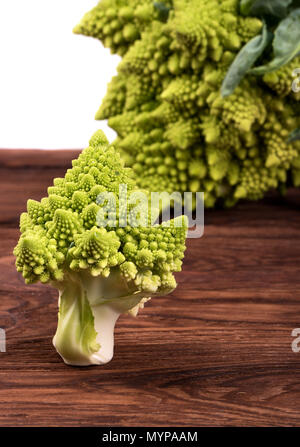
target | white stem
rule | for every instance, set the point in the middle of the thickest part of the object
(88, 311)
(105, 320)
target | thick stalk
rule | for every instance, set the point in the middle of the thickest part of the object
(88, 310)
(105, 319)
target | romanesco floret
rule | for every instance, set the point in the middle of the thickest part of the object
(119, 23)
(174, 127)
(98, 249)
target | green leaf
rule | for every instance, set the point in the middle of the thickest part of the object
(294, 136)
(245, 59)
(286, 44)
(163, 10)
(277, 8)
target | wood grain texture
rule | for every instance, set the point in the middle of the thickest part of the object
(217, 351)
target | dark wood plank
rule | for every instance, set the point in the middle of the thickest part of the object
(29, 158)
(27, 174)
(217, 351)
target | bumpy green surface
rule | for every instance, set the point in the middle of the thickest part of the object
(174, 128)
(64, 232)
(118, 23)
(102, 252)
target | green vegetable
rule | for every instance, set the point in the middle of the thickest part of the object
(286, 44)
(175, 129)
(163, 9)
(244, 61)
(277, 8)
(283, 28)
(102, 264)
(295, 135)
(118, 23)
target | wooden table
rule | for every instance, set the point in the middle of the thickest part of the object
(215, 352)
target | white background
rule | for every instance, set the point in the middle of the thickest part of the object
(51, 80)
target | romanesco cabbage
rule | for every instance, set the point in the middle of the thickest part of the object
(174, 127)
(102, 263)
